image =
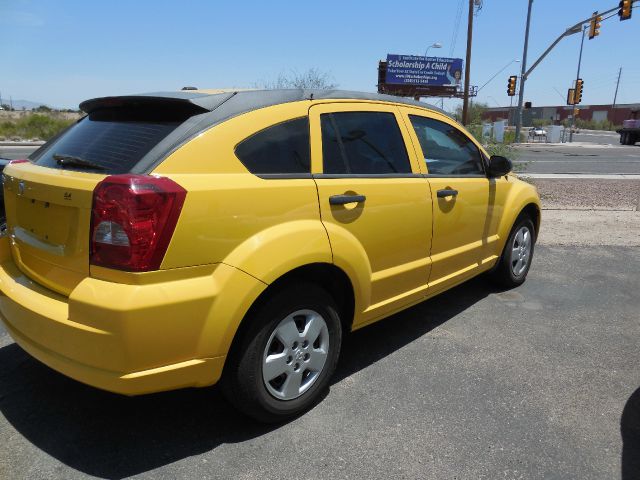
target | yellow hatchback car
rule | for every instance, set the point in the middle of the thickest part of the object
(179, 239)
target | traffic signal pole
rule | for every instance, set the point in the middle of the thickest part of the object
(523, 75)
(573, 117)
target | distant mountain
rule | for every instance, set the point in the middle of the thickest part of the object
(20, 104)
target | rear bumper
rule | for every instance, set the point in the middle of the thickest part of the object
(190, 373)
(129, 339)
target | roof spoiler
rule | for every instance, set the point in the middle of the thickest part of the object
(200, 103)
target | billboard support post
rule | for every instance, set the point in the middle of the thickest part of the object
(467, 67)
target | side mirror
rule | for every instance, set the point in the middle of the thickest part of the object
(499, 166)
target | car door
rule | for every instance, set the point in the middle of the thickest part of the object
(374, 201)
(465, 209)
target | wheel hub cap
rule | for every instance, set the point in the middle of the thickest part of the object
(521, 251)
(295, 354)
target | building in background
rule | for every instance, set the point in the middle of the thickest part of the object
(557, 114)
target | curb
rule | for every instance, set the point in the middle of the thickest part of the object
(582, 176)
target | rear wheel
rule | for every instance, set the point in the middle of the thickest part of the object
(287, 355)
(624, 138)
(515, 261)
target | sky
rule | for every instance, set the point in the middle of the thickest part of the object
(62, 52)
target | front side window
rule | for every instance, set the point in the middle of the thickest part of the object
(363, 143)
(446, 150)
(282, 148)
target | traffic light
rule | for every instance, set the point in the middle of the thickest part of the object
(578, 93)
(594, 26)
(571, 96)
(511, 86)
(625, 9)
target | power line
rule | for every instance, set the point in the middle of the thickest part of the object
(456, 27)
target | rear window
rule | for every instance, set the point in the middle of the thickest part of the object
(111, 140)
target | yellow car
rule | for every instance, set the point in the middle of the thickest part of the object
(179, 239)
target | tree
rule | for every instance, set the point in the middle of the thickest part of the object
(42, 108)
(476, 110)
(311, 79)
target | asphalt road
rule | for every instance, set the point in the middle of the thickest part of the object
(595, 159)
(606, 138)
(538, 382)
(16, 152)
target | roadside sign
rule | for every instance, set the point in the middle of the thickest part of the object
(423, 71)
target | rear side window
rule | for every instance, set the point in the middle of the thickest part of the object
(282, 148)
(363, 143)
(111, 140)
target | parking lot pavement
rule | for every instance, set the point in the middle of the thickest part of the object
(537, 382)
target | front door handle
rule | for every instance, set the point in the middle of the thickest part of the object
(447, 192)
(344, 199)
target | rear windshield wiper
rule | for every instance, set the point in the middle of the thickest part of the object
(71, 160)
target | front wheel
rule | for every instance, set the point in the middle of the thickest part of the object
(515, 261)
(287, 355)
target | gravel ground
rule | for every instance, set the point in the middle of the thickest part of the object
(582, 194)
(589, 212)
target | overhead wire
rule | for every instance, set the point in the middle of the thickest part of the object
(456, 27)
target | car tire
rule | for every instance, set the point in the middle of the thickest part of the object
(283, 362)
(514, 263)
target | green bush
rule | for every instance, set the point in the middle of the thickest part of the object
(38, 126)
(541, 122)
(592, 125)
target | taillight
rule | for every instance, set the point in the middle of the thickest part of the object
(132, 221)
(19, 160)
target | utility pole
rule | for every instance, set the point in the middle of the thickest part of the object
(573, 117)
(615, 96)
(467, 67)
(523, 76)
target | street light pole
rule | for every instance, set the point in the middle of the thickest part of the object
(522, 75)
(573, 116)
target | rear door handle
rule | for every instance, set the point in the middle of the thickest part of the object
(344, 199)
(447, 192)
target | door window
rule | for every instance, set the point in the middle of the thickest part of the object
(446, 150)
(363, 143)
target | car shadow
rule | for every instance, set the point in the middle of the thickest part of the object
(113, 436)
(630, 431)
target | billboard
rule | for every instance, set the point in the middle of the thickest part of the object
(423, 71)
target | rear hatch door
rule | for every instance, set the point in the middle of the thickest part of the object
(49, 199)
